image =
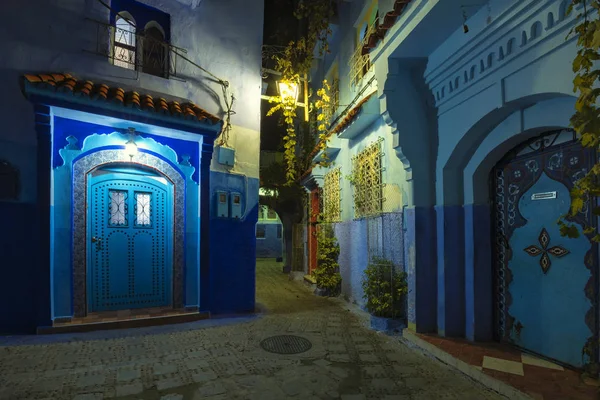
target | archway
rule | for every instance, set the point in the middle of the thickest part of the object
(83, 167)
(540, 277)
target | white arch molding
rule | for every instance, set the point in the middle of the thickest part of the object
(81, 168)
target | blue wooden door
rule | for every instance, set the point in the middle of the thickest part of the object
(129, 241)
(546, 284)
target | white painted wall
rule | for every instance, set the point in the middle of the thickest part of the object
(45, 36)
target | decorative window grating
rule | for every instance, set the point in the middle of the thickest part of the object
(332, 200)
(367, 180)
(142, 210)
(117, 207)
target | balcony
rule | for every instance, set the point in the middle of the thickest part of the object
(360, 62)
(136, 51)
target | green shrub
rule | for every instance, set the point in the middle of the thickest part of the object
(327, 272)
(385, 289)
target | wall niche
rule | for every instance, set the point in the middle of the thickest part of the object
(9, 181)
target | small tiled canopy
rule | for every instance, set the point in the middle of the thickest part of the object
(65, 83)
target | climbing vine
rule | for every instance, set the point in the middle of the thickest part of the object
(323, 103)
(586, 122)
(295, 63)
(586, 119)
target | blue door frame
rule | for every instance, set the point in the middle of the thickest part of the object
(129, 236)
(546, 284)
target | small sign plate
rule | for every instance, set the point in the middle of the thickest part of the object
(543, 196)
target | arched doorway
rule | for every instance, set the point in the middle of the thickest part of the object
(130, 233)
(545, 284)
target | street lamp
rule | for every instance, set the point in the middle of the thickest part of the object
(288, 89)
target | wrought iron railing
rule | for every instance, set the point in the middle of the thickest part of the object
(136, 50)
(360, 64)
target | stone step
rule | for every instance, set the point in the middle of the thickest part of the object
(124, 324)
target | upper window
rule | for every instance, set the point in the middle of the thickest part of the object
(125, 42)
(155, 51)
(360, 62)
(141, 36)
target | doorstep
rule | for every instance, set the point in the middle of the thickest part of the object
(505, 369)
(123, 320)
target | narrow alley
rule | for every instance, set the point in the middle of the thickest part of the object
(223, 358)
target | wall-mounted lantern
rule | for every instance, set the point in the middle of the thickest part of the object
(288, 90)
(130, 147)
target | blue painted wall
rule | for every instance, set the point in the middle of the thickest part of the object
(233, 247)
(19, 262)
(270, 246)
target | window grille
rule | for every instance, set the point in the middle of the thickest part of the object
(360, 64)
(367, 180)
(124, 51)
(332, 196)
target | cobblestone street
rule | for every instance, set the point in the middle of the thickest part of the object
(222, 358)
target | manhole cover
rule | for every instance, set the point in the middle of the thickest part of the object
(286, 344)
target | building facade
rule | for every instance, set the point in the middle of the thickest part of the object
(468, 126)
(269, 234)
(121, 186)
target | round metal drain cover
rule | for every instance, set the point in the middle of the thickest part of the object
(286, 344)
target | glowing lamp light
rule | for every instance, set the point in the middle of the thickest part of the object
(131, 148)
(288, 89)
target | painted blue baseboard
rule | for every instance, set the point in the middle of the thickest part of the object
(450, 270)
(478, 273)
(420, 255)
(21, 272)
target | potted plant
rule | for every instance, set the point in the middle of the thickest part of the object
(327, 273)
(385, 290)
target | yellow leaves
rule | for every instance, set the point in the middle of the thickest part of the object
(595, 43)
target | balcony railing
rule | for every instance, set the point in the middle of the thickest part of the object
(136, 51)
(360, 63)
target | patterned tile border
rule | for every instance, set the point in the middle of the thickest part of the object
(469, 370)
(81, 169)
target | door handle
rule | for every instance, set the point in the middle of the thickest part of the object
(98, 242)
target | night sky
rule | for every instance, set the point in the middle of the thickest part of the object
(280, 27)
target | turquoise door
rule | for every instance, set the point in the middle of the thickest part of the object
(129, 240)
(546, 283)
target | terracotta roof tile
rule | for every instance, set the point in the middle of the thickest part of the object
(388, 21)
(65, 83)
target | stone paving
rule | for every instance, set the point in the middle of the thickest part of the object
(208, 360)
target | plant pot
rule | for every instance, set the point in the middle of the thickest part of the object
(383, 324)
(321, 292)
